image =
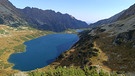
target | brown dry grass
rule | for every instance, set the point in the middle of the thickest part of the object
(98, 61)
(120, 57)
(8, 42)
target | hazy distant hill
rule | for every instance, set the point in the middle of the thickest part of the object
(37, 18)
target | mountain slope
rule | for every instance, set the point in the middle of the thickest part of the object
(50, 20)
(103, 50)
(129, 12)
(37, 18)
(120, 16)
(9, 14)
(107, 21)
(110, 47)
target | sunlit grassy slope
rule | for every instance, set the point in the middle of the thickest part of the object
(11, 41)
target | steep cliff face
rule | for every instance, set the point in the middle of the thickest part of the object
(50, 20)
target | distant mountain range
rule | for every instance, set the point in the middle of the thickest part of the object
(37, 18)
(48, 19)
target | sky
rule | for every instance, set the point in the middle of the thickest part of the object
(85, 10)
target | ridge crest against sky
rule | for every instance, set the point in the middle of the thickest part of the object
(85, 10)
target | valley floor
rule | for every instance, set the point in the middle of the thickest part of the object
(93, 52)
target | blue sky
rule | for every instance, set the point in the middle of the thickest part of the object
(86, 10)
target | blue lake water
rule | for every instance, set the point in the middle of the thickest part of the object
(79, 30)
(42, 51)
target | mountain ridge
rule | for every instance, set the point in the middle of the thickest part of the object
(37, 18)
(119, 16)
(129, 12)
(107, 21)
(49, 19)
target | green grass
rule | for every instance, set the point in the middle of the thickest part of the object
(2, 31)
(30, 36)
(16, 40)
(72, 71)
(4, 66)
(19, 48)
(24, 38)
(2, 51)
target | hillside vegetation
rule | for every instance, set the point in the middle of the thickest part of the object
(106, 49)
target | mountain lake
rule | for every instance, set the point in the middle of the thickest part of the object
(42, 51)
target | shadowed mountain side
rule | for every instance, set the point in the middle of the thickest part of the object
(50, 20)
(79, 54)
(115, 53)
(120, 50)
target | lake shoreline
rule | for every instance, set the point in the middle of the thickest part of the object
(73, 41)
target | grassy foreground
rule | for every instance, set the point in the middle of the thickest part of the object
(73, 71)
